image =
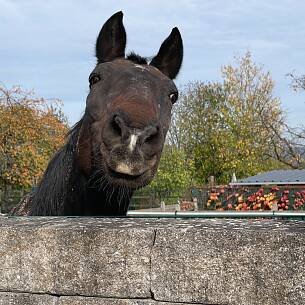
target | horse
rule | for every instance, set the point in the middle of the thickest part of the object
(116, 146)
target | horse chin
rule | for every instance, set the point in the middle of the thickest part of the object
(129, 181)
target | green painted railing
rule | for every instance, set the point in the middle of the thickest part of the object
(216, 214)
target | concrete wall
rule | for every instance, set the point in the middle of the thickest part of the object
(75, 261)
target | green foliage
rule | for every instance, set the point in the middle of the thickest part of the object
(174, 172)
(229, 127)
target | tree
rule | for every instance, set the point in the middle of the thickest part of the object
(31, 130)
(254, 115)
(289, 147)
(225, 128)
(175, 171)
(173, 178)
(298, 82)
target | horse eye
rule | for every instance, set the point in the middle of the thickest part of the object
(173, 97)
(94, 79)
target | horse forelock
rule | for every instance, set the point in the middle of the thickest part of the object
(136, 58)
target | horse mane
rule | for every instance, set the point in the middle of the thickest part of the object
(137, 58)
(50, 194)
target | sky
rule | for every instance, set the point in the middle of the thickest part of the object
(48, 46)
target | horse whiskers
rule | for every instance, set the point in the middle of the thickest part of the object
(120, 195)
(104, 185)
(97, 173)
(109, 196)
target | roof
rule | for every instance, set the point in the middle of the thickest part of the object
(275, 177)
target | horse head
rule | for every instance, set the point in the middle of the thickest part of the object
(128, 108)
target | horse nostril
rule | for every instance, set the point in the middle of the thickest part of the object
(117, 125)
(151, 134)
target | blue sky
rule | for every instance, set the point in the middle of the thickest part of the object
(48, 46)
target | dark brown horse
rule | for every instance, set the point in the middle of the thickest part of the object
(115, 148)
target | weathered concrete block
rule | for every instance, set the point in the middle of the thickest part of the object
(7, 298)
(101, 301)
(230, 262)
(75, 256)
(147, 262)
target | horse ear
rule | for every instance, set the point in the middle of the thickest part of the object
(111, 41)
(169, 58)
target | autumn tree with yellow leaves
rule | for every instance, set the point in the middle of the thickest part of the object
(230, 126)
(31, 130)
